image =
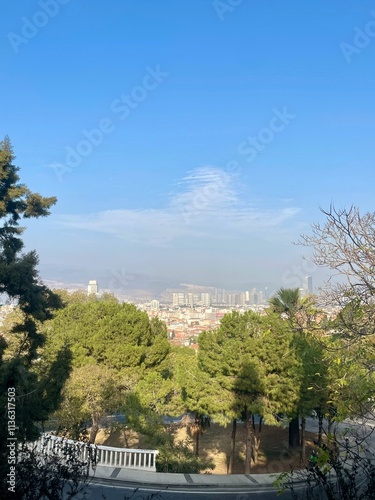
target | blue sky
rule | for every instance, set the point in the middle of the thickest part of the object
(188, 140)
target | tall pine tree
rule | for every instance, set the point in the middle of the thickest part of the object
(20, 285)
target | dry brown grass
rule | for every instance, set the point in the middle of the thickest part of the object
(274, 455)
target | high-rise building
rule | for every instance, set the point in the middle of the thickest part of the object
(231, 299)
(92, 288)
(206, 299)
(240, 299)
(254, 298)
(155, 305)
(307, 285)
(221, 296)
(178, 299)
(190, 299)
(181, 299)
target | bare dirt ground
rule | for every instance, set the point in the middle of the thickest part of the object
(274, 454)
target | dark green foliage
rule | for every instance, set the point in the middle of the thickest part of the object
(286, 301)
(117, 351)
(199, 392)
(103, 331)
(144, 420)
(254, 361)
(300, 313)
(253, 357)
(178, 457)
(18, 275)
(35, 397)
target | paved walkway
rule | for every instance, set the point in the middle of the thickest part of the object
(144, 478)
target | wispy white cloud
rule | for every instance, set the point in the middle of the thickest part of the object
(205, 189)
(205, 203)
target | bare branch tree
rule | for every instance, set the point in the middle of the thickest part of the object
(346, 244)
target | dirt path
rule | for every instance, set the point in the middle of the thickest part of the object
(274, 455)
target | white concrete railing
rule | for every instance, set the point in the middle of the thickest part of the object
(129, 458)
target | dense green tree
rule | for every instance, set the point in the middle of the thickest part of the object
(313, 393)
(299, 312)
(252, 357)
(20, 285)
(123, 353)
(102, 331)
(182, 388)
(159, 393)
(350, 382)
(200, 394)
(18, 275)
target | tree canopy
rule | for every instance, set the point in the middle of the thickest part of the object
(344, 244)
(20, 285)
(102, 331)
(253, 359)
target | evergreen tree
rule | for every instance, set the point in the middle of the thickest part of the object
(200, 393)
(253, 359)
(122, 352)
(297, 310)
(104, 332)
(20, 285)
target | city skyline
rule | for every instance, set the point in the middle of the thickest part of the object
(186, 294)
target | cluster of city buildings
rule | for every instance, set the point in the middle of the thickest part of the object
(188, 313)
(184, 324)
(218, 297)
